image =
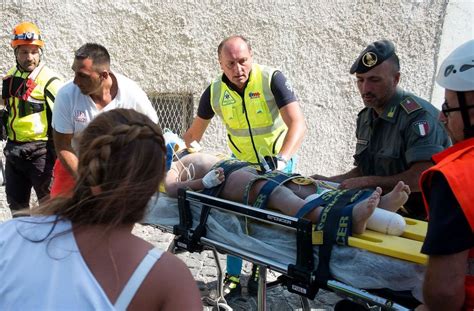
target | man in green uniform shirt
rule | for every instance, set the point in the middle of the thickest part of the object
(397, 132)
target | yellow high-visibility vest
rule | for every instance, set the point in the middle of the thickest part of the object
(253, 122)
(29, 109)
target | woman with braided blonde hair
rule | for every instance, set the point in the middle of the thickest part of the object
(78, 253)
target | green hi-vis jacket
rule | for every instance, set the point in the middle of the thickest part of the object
(29, 99)
(254, 124)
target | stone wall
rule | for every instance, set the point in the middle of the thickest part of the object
(170, 46)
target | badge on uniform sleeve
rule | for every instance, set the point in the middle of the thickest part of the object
(410, 105)
(422, 127)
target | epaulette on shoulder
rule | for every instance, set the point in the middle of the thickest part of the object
(410, 105)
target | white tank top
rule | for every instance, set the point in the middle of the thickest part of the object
(52, 275)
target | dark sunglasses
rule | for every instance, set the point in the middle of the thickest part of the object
(446, 110)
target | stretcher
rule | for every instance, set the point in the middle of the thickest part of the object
(285, 244)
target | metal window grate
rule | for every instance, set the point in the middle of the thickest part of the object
(175, 110)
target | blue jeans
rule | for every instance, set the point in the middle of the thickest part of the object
(234, 264)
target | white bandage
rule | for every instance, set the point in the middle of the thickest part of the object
(386, 222)
(281, 165)
(281, 162)
(211, 179)
(195, 146)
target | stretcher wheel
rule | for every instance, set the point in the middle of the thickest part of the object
(304, 304)
(218, 305)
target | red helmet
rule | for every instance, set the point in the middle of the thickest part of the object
(26, 33)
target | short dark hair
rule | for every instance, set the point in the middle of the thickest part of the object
(223, 42)
(96, 52)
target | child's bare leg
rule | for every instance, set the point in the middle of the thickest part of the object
(235, 185)
(360, 214)
(285, 201)
(302, 191)
(281, 199)
(393, 200)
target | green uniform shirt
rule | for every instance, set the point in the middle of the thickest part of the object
(407, 131)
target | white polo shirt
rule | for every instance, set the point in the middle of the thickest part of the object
(73, 111)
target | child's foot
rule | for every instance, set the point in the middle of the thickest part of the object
(393, 200)
(363, 210)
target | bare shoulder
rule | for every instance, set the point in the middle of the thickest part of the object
(170, 285)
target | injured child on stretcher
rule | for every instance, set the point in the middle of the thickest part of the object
(290, 195)
(351, 265)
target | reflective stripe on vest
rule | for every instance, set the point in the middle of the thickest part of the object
(256, 115)
(457, 166)
(27, 118)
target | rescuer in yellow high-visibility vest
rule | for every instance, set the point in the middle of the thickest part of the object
(28, 93)
(263, 119)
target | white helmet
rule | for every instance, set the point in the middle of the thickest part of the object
(456, 73)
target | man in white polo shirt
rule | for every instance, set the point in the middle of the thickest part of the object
(95, 89)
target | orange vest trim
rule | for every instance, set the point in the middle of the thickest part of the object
(457, 166)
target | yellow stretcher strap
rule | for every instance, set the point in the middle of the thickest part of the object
(162, 188)
(406, 247)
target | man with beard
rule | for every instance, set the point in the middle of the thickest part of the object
(397, 132)
(95, 89)
(28, 93)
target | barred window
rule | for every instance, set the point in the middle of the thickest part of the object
(175, 110)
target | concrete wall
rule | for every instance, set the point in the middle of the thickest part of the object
(457, 29)
(170, 46)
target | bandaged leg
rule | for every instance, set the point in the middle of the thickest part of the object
(361, 212)
(284, 200)
(386, 222)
